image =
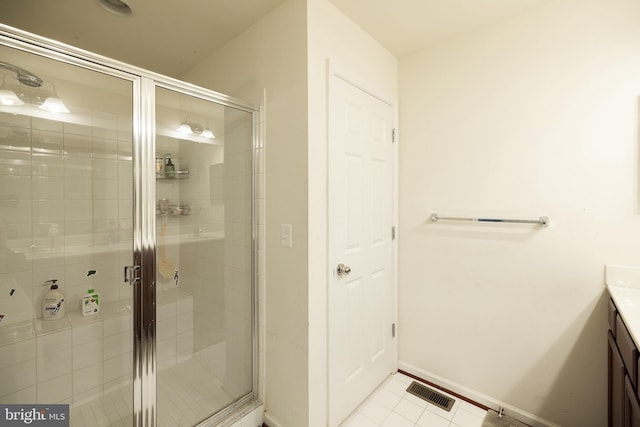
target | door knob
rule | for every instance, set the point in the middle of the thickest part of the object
(343, 270)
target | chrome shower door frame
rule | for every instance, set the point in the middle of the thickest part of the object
(144, 84)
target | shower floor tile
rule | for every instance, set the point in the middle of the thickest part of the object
(187, 394)
(391, 405)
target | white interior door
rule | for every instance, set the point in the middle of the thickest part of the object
(361, 297)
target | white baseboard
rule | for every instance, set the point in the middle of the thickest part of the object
(476, 396)
(270, 421)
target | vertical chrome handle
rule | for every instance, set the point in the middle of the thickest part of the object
(343, 270)
(132, 274)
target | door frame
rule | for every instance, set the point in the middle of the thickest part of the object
(340, 71)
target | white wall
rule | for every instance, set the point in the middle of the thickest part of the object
(271, 57)
(537, 115)
(332, 36)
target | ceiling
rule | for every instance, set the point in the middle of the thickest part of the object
(170, 37)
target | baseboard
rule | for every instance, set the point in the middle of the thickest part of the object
(476, 397)
(270, 421)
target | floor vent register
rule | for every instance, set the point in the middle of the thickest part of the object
(431, 396)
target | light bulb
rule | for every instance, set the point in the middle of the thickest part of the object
(54, 105)
(9, 97)
(185, 129)
(208, 134)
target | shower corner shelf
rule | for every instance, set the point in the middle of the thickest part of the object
(182, 174)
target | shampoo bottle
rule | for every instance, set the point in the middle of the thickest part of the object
(53, 302)
(91, 303)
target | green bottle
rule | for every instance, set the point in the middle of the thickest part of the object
(169, 167)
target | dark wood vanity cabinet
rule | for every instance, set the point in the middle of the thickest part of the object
(623, 396)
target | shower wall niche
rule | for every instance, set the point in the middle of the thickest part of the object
(71, 204)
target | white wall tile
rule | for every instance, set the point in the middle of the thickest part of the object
(87, 378)
(117, 345)
(78, 210)
(47, 188)
(53, 365)
(76, 129)
(47, 164)
(117, 367)
(184, 322)
(88, 354)
(55, 390)
(53, 343)
(15, 162)
(25, 395)
(117, 325)
(105, 189)
(78, 188)
(49, 211)
(78, 166)
(166, 328)
(105, 168)
(87, 333)
(105, 148)
(185, 305)
(77, 145)
(166, 311)
(17, 377)
(84, 396)
(47, 125)
(167, 349)
(185, 346)
(16, 353)
(46, 141)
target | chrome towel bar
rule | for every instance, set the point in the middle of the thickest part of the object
(543, 221)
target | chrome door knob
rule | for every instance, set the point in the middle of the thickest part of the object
(343, 270)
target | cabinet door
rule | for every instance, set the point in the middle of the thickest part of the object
(616, 397)
(612, 317)
(628, 350)
(631, 407)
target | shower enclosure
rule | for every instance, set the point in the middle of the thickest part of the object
(136, 188)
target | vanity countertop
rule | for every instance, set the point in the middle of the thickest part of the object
(623, 284)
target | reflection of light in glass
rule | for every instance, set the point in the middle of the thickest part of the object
(19, 94)
(54, 104)
(208, 134)
(185, 129)
(8, 97)
(191, 127)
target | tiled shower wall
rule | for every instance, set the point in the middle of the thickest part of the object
(65, 209)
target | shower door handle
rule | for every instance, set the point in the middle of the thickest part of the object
(343, 270)
(132, 274)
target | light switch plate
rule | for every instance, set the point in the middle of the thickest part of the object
(286, 239)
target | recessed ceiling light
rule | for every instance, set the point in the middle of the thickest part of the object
(117, 7)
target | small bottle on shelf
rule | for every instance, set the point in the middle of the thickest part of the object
(169, 167)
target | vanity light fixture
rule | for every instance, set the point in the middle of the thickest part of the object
(191, 127)
(185, 129)
(16, 94)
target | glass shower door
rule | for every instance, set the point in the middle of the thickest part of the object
(66, 215)
(204, 284)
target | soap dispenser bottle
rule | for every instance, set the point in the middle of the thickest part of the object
(91, 303)
(169, 167)
(53, 302)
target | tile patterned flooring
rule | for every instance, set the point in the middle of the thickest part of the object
(187, 394)
(391, 406)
